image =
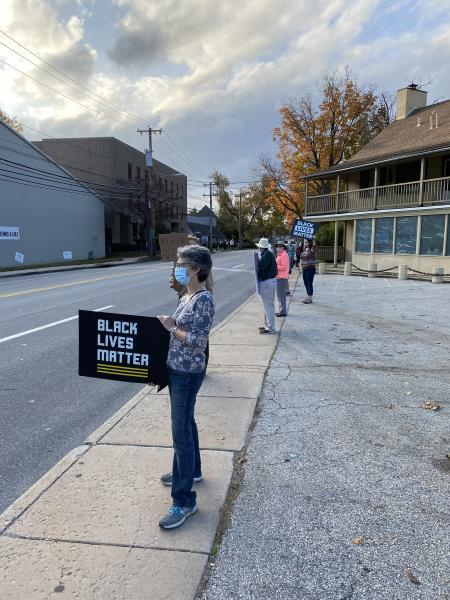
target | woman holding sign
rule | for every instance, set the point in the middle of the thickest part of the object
(308, 260)
(189, 328)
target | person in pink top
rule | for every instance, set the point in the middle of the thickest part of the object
(282, 278)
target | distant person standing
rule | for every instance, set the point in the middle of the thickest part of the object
(266, 274)
(282, 278)
(308, 260)
(232, 244)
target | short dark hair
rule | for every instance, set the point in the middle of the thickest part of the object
(199, 258)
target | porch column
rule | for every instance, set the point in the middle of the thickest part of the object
(306, 196)
(335, 250)
(376, 182)
(422, 177)
(335, 253)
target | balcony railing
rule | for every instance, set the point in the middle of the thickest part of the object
(398, 195)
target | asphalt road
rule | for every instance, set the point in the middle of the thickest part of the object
(46, 409)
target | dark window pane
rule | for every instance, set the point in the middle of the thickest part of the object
(406, 237)
(363, 235)
(384, 235)
(129, 171)
(432, 235)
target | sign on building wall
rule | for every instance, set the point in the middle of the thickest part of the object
(9, 233)
(19, 257)
(67, 254)
(122, 347)
(303, 229)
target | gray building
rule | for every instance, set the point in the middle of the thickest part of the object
(118, 173)
(46, 215)
(198, 225)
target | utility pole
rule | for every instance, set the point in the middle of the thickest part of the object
(210, 212)
(240, 218)
(148, 183)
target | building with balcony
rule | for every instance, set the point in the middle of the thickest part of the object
(393, 196)
(119, 175)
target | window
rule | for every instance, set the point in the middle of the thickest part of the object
(160, 183)
(432, 235)
(384, 235)
(367, 179)
(138, 172)
(406, 235)
(171, 188)
(177, 190)
(363, 235)
(165, 184)
(182, 191)
(130, 175)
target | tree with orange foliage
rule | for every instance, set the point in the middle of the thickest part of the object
(313, 138)
(11, 122)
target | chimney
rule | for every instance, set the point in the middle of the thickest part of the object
(408, 99)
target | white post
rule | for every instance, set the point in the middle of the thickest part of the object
(348, 268)
(372, 270)
(322, 268)
(402, 271)
(437, 275)
(335, 247)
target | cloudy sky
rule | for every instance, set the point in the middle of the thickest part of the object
(211, 74)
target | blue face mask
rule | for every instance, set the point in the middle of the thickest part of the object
(181, 275)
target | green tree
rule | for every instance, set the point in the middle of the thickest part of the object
(317, 135)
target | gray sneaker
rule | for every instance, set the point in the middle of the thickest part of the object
(167, 479)
(176, 516)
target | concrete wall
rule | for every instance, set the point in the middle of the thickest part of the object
(50, 221)
(349, 232)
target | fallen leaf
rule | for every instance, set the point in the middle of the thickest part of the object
(358, 541)
(410, 575)
(388, 406)
(431, 405)
(408, 393)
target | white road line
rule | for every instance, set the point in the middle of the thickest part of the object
(17, 335)
(237, 266)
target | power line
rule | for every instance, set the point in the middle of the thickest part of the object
(135, 117)
(132, 122)
(51, 88)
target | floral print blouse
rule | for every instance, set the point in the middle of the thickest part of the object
(195, 315)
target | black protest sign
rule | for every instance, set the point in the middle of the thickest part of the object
(303, 229)
(122, 347)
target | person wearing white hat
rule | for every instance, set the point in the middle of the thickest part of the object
(266, 273)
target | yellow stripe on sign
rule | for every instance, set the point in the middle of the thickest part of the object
(81, 281)
(111, 366)
(110, 372)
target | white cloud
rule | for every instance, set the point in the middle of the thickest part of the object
(234, 63)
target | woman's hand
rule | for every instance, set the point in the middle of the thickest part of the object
(167, 322)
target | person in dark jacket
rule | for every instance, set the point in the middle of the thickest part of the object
(267, 272)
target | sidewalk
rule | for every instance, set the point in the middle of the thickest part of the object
(89, 527)
(346, 486)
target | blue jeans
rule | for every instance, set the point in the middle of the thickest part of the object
(308, 277)
(183, 389)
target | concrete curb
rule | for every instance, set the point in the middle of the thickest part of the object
(19, 506)
(62, 269)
